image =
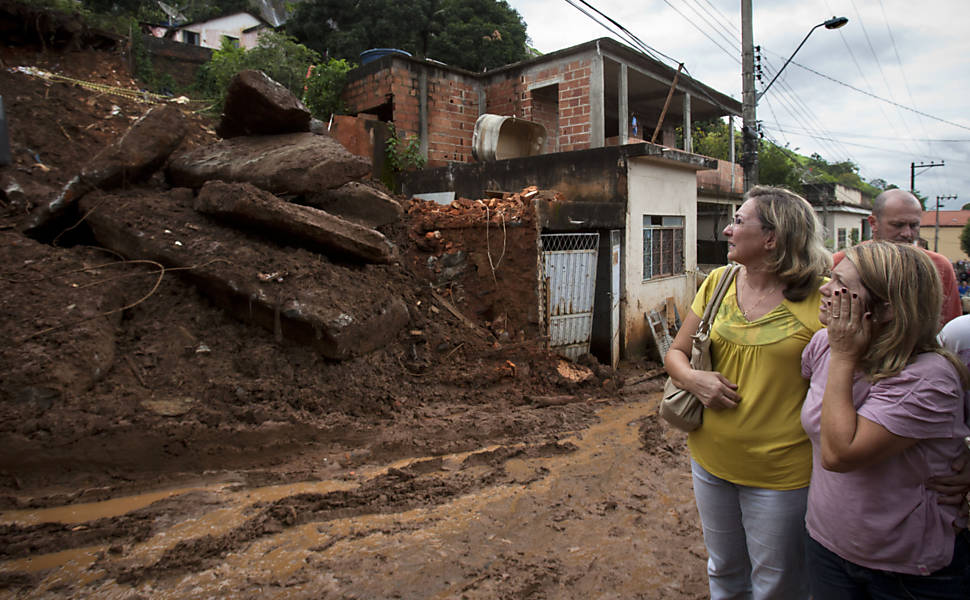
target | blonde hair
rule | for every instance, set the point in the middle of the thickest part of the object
(799, 258)
(904, 278)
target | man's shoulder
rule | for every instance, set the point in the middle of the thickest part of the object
(939, 260)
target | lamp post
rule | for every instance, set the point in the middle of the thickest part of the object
(749, 98)
(833, 23)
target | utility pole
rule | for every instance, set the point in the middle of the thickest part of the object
(936, 232)
(912, 173)
(749, 124)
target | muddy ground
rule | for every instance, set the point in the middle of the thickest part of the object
(191, 455)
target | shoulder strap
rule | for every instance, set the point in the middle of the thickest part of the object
(710, 311)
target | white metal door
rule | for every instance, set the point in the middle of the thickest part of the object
(615, 240)
(569, 262)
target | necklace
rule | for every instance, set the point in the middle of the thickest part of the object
(760, 298)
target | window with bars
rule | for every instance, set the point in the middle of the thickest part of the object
(842, 238)
(663, 246)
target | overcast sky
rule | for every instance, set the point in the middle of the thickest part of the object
(889, 89)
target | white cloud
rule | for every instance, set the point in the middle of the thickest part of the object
(931, 75)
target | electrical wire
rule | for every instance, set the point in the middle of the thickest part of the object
(712, 23)
(801, 112)
(701, 30)
(871, 95)
(637, 43)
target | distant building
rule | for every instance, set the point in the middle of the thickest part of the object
(843, 212)
(944, 239)
(241, 29)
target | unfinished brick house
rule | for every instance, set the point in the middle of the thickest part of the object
(632, 206)
(592, 95)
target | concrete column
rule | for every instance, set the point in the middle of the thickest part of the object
(597, 102)
(624, 106)
(688, 139)
(423, 111)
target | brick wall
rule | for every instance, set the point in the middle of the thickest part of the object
(452, 112)
(391, 90)
(557, 96)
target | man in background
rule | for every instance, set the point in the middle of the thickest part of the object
(895, 218)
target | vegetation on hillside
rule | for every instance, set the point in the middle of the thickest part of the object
(284, 60)
(471, 34)
(779, 165)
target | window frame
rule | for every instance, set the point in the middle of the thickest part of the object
(654, 230)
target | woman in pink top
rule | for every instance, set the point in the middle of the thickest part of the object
(885, 412)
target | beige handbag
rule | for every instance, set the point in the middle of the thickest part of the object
(680, 408)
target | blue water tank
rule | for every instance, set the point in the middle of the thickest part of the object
(374, 53)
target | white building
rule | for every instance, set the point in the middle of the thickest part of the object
(241, 29)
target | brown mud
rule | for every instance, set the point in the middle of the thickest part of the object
(151, 446)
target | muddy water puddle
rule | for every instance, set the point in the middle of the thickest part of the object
(533, 519)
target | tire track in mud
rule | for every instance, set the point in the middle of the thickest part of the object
(421, 484)
(606, 513)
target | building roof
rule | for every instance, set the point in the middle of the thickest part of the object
(948, 218)
(224, 17)
(648, 81)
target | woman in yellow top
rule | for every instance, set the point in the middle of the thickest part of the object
(751, 460)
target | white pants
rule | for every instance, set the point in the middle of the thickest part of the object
(754, 539)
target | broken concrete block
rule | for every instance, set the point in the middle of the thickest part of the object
(308, 227)
(133, 158)
(341, 312)
(358, 202)
(301, 164)
(257, 105)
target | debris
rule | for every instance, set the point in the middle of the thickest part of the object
(245, 204)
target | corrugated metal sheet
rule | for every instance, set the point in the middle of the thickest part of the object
(570, 269)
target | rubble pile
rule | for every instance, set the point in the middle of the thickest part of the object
(176, 302)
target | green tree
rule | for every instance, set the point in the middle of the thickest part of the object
(778, 166)
(712, 138)
(324, 86)
(194, 10)
(279, 56)
(471, 34)
(478, 34)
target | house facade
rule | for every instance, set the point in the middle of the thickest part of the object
(241, 29)
(843, 211)
(940, 231)
(629, 207)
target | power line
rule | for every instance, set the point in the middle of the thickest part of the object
(871, 95)
(801, 112)
(733, 43)
(882, 73)
(704, 33)
(636, 42)
(886, 137)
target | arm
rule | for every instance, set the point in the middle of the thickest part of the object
(711, 388)
(850, 441)
(953, 489)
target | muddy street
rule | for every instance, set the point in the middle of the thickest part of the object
(243, 368)
(606, 512)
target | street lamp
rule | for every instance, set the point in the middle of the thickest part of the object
(833, 23)
(750, 97)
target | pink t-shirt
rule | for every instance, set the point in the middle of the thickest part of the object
(883, 516)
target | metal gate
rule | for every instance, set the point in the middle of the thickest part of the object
(569, 265)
